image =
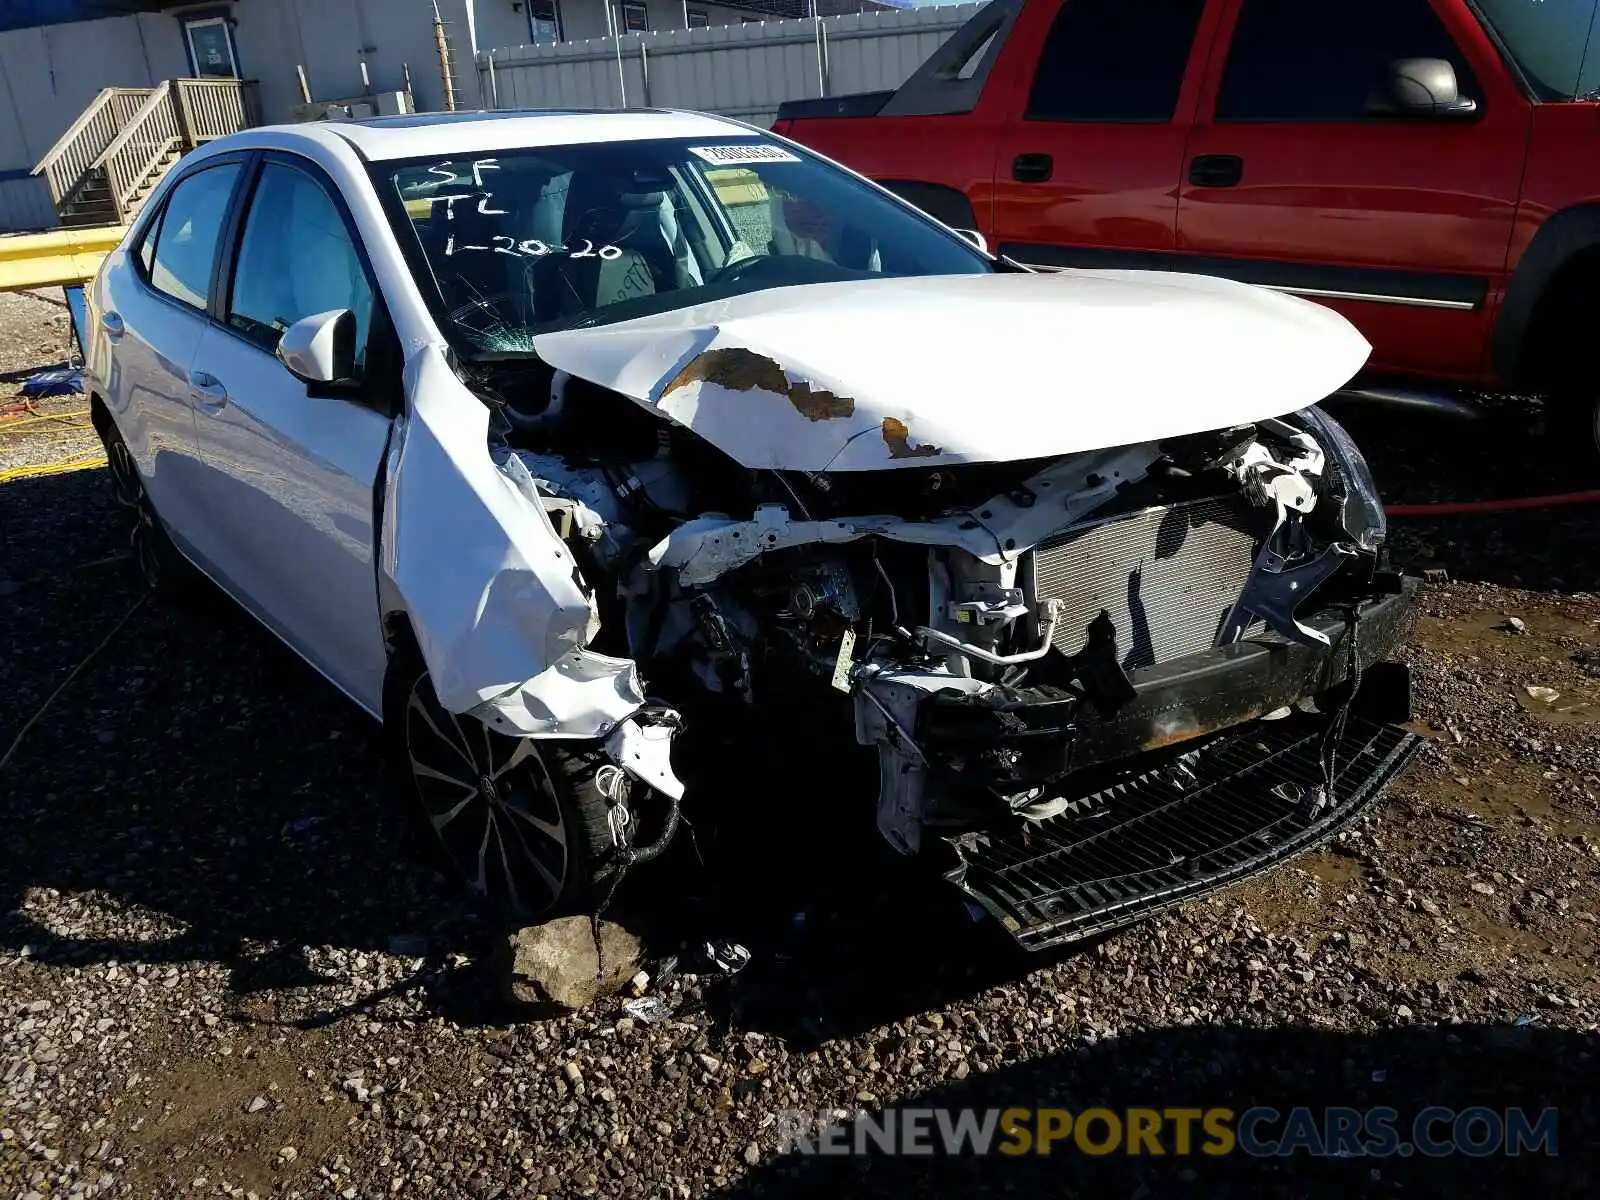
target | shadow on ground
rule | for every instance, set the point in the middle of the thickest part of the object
(198, 773)
(194, 769)
(1407, 1070)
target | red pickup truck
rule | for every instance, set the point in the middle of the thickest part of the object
(1430, 168)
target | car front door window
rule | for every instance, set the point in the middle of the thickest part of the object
(296, 260)
(1291, 61)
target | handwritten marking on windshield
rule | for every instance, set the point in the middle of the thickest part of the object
(502, 243)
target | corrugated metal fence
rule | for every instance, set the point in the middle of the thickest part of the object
(742, 71)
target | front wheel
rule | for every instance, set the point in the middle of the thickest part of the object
(523, 822)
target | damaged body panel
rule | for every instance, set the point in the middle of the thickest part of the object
(691, 439)
(847, 377)
(505, 629)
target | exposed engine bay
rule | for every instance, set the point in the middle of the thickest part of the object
(987, 628)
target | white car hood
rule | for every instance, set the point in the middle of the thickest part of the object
(935, 371)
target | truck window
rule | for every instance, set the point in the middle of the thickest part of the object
(1293, 61)
(1114, 60)
(1553, 42)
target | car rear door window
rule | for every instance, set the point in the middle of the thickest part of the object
(190, 230)
(1114, 60)
(1293, 61)
(296, 260)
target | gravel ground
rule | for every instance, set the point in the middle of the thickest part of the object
(35, 332)
(222, 973)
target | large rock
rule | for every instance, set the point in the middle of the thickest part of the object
(556, 963)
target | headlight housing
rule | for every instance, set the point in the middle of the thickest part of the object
(1348, 487)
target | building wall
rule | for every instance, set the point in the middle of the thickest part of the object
(49, 73)
(25, 204)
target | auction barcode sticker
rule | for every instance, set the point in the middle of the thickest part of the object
(741, 153)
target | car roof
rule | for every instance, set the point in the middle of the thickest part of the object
(450, 135)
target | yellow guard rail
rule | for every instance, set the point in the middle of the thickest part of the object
(59, 257)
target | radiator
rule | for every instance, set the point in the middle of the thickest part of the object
(1167, 576)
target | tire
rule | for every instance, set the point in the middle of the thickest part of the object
(1572, 422)
(522, 822)
(163, 568)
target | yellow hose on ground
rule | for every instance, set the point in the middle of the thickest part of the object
(88, 460)
(8, 426)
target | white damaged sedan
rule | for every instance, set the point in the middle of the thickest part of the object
(559, 440)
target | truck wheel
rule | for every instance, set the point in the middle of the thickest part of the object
(522, 821)
(1572, 420)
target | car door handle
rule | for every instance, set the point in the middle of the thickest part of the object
(209, 388)
(1032, 168)
(112, 323)
(1216, 170)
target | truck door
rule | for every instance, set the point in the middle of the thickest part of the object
(1304, 173)
(1091, 156)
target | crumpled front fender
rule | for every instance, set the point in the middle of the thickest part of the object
(499, 610)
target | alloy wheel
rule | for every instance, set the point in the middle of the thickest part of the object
(126, 489)
(146, 539)
(491, 802)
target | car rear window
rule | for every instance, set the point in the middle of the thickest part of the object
(1111, 60)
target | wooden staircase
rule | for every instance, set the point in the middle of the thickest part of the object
(105, 165)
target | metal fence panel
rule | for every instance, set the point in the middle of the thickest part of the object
(742, 71)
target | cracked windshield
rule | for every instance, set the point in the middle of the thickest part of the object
(521, 242)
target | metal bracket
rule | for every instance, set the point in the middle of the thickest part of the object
(1274, 591)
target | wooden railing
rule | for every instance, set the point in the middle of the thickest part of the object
(78, 149)
(125, 134)
(151, 134)
(213, 108)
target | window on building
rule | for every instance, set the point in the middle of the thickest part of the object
(191, 227)
(296, 260)
(1109, 60)
(635, 18)
(1291, 61)
(544, 21)
(697, 18)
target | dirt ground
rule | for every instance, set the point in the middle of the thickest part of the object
(223, 973)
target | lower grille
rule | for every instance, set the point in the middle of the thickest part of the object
(1167, 576)
(1171, 834)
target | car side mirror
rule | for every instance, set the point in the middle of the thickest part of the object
(321, 348)
(976, 238)
(1425, 87)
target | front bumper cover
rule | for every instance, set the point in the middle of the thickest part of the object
(1244, 803)
(1248, 794)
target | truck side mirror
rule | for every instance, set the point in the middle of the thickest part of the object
(976, 238)
(1424, 87)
